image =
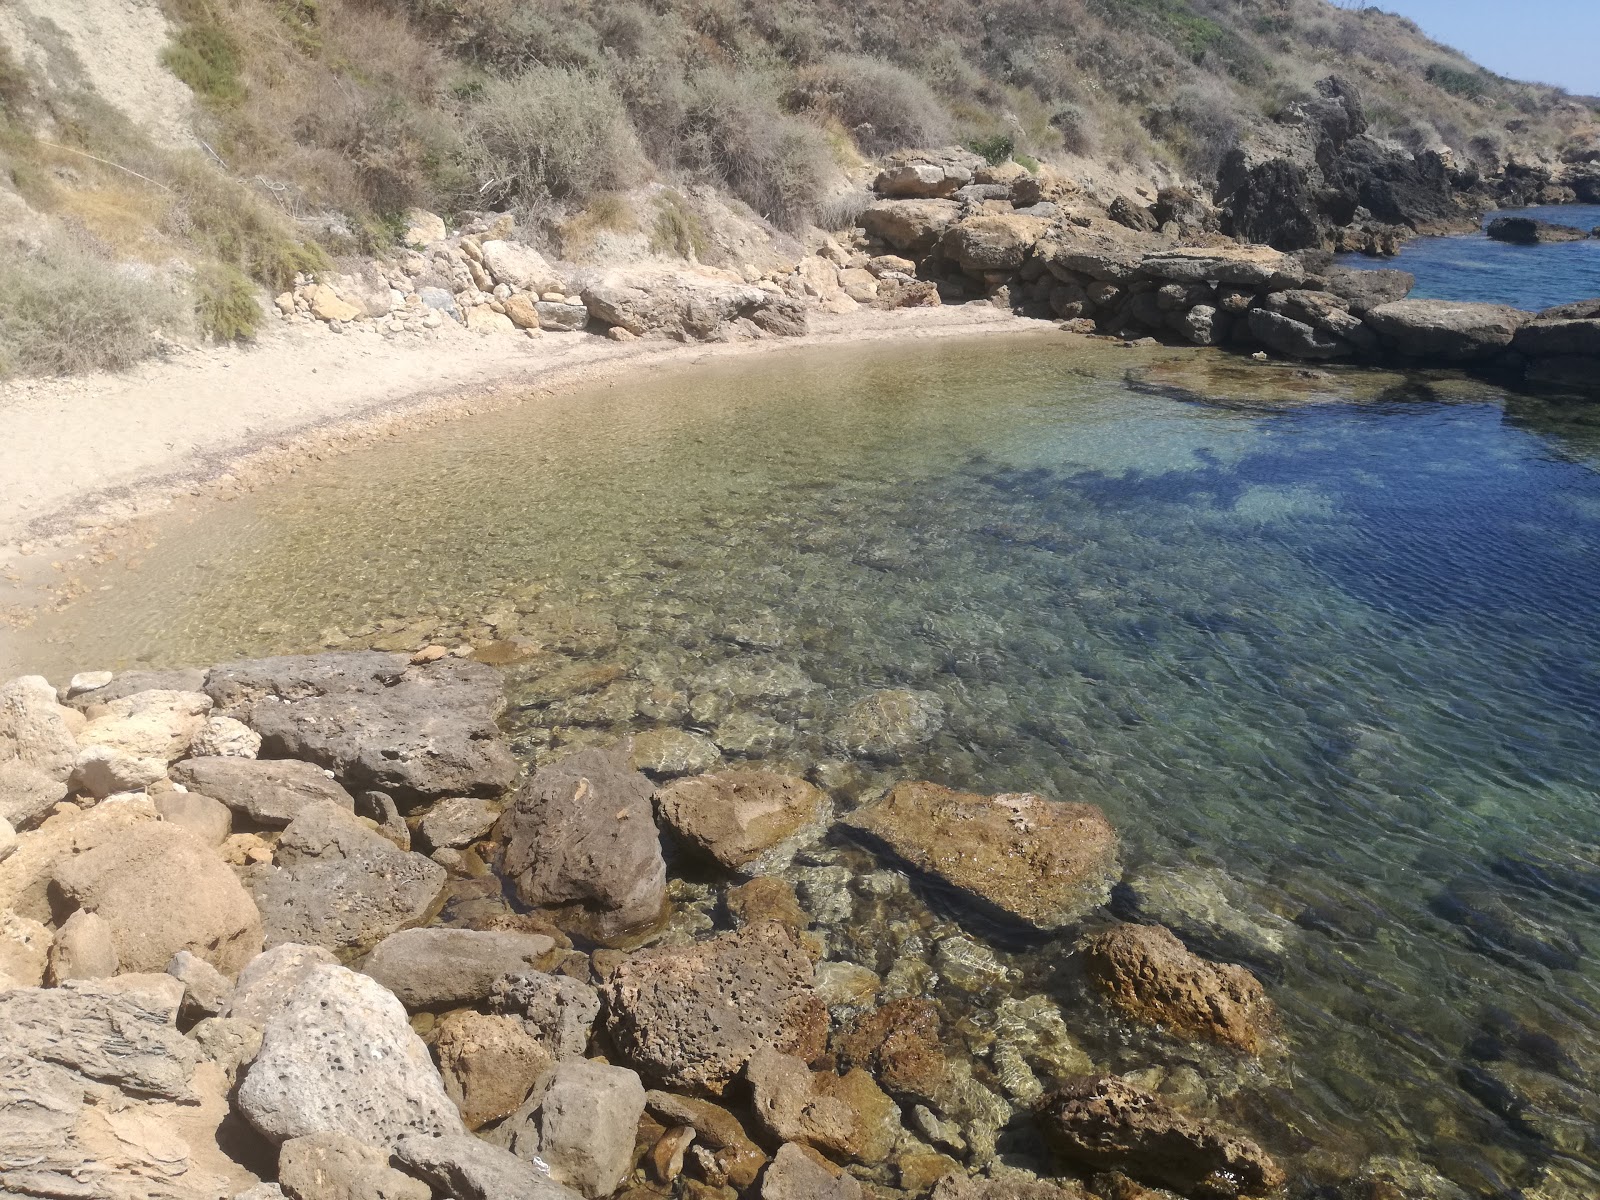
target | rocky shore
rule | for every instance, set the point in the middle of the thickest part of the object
(301, 927)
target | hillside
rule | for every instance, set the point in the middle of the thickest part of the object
(223, 149)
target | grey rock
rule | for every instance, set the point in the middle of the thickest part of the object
(441, 300)
(340, 1057)
(83, 949)
(34, 731)
(381, 810)
(462, 1166)
(561, 1008)
(374, 720)
(261, 1191)
(206, 991)
(334, 1166)
(795, 1175)
(27, 794)
(588, 1120)
(561, 318)
(1295, 339)
(457, 821)
(230, 1043)
(1525, 231)
(265, 985)
(1546, 339)
(1366, 290)
(267, 792)
(1446, 330)
(340, 885)
(442, 968)
(581, 834)
(205, 818)
(1203, 325)
(131, 683)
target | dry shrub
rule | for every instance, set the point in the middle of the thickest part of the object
(883, 106)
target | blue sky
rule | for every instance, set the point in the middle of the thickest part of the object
(1546, 41)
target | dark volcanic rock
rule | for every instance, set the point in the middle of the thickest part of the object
(415, 732)
(1525, 231)
(267, 791)
(1105, 1124)
(691, 1016)
(581, 836)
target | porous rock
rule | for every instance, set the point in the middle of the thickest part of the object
(588, 1119)
(899, 1044)
(223, 737)
(335, 1166)
(1043, 862)
(751, 822)
(27, 794)
(35, 732)
(267, 792)
(133, 741)
(691, 1017)
(442, 968)
(25, 946)
(340, 1057)
(263, 988)
(563, 1010)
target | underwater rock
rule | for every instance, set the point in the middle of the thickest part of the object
(1505, 931)
(887, 723)
(673, 752)
(1105, 1124)
(1210, 911)
(766, 898)
(750, 822)
(1043, 862)
(899, 1043)
(1150, 976)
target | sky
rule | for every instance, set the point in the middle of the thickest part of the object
(1542, 41)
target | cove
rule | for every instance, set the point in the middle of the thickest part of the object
(1325, 646)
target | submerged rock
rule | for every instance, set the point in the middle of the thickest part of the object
(1149, 975)
(1044, 862)
(847, 1116)
(691, 1016)
(750, 822)
(899, 1043)
(886, 724)
(1210, 911)
(673, 752)
(1105, 1124)
(716, 1129)
(1505, 930)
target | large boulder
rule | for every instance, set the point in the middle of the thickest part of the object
(688, 307)
(27, 872)
(1446, 330)
(133, 741)
(691, 1016)
(27, 794)
(1549, 339)
(847, 1116)
(35, 731)
(588, 1119)
(162, 890)
(339, 1057)
(377, 722)
(992, 241)
(1365, 290)
(264, 987)
(334, 1166)
(339, 885)
(1148, 974)
(921, 180)
(1295, 339)
(1525, 231)
(1106, 1124)
(581, 837)
(1043, 862)
(445, 968)
(469, 1168)
(911, 226)
(1241, 266)
(267, 792)
(751, 822)
(521, 268)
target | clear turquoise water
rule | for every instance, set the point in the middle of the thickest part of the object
(1472, 267)
(1325, 646)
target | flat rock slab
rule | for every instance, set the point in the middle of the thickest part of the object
(438, 968)
(461, 1165)
(1447, 330)
(268, 792)
(339, 885)
(417, 732)
(751, 822)
(1040, 861)
(340, 1057)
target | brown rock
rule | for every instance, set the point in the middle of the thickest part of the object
(1044, 862)
(766, 898)
(751, 822)
(715, 1128)
(1148, 974)
(690, 1017)
(1007, 1187)
(992, 242)
(911, 226)
(489, 1065)
(847, 1116)
(899, 1043)
(1102, 1123)
(83, 949)
(522, 311)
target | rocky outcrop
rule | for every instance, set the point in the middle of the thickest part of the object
(1106, 1124)
(1526, 231)
(750, 822)
(690, 1017)
(1445, 330)
(444, 968)
(337, 884)
(416, 732)
(267, 793)
(581, 838)
(691, 307)
(1043, 862)
(1147, 974)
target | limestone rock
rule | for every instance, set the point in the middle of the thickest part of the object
(83, 949)
(912, 227)
(691, 1016)
(688, 307)
(206, 991)
(992, 242)
(523, 311)
(1295, 339)
(1105, 1124)
(267, 792)
(560, 317)
(26, 876)
(339, 1057)
(716, 1129)
(457, 821)
(1446, 330)
(230, 1043)
(444, 968)
(796, 1175)
(162, 890)
(847, 1115)
(327, 306)
(134, 740)
(35, 731)
(587, 1122)
(1148, 974)
(751, 822)
(673, 752)
(264, 987)
(483, 319)
(206, 819)
(8, 838)
(467, 1168)
(25, 946)
(87, 681)
(921, 181)
(223, 737)
(423, 228)
(581, 836)
(340, 885)
(374, 720)
(490, 1064)
(1044, 862)
(563, 1010)
(131, 683)
(521, 268)
(1366, 290)
(27, 794)
(334, 1166)
(887, 723)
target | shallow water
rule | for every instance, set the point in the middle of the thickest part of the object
(1474, 267)
(1326, 647)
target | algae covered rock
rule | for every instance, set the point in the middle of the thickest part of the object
(1043, 862)
(751, 822)
(847, 1115)
(887, 723)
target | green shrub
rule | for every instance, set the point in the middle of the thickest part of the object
(884, 107)
(225, 304)
(228, 222)
(1468, 84)
(64, 309)
(550, 131)
(679, 230)
(1027, 162)
(994, 149)
(205, 56)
